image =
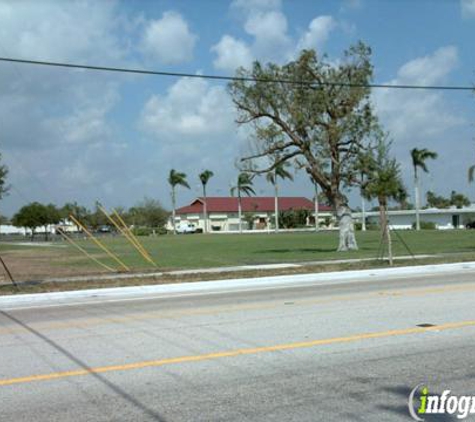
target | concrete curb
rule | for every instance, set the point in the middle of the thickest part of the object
(79, 297)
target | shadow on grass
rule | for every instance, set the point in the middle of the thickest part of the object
(150, 413)
(296, 250)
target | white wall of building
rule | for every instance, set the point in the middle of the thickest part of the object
(229, 222)
(443, 219)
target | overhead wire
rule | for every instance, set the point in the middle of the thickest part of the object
(234, 78)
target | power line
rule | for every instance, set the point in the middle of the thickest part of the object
(235, 78)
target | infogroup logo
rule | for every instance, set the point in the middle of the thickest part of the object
(422, 403)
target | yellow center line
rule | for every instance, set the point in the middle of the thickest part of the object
(234, 353)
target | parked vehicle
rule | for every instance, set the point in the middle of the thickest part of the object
(470, 225)
(104, 229)
(186, 228)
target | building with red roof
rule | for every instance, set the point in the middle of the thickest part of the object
(223, 211)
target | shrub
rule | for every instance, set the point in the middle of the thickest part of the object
(142, 231)
(369, 226)
(426, 225)
(372, 226)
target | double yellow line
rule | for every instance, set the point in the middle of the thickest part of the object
(235, 353)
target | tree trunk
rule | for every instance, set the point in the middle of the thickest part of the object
(390, 245)
(173, 211)
(276, 206)
(385, 230)
(239, 213)
(363, 214)
(316, 207)
(346, 227)
(205, 210)
(416, 201)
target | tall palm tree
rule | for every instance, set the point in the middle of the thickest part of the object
(204, 178)
(175, 179)
(243, 186)
(279, 171)
(471, 174)
(419, 157)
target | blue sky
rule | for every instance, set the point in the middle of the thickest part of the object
(77, 135)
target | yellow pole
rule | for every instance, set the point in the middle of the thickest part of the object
(85, 252)
(126, 235)
(133, 236)
(107, 251)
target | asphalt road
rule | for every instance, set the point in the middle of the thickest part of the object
(349, 351)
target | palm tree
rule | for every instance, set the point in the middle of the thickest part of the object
(383, 181)
(471, 173)
(204, 177)
(419, 157)
(244, 185)
(278, 171)
(176, 179)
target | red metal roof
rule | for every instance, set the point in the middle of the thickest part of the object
(249, 204)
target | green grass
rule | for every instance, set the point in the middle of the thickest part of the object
(202, 251)
(205, 251)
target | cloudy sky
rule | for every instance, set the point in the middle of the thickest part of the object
(81, 135)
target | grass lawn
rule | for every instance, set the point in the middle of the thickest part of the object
(204, 251)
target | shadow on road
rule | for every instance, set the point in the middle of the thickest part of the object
(111, 386)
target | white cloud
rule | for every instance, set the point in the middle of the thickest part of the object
(427, 119)
(468, 8)
(264, 21)
(87, 123)
(317, 33)
(429, 69)
(419, 114)
(169, 39)
(57, 133)
(192, 128)
(269, 29)
(271, 42)
(191, 108)
(231, 54)
(60, 31)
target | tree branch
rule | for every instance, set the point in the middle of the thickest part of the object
(274, 164)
